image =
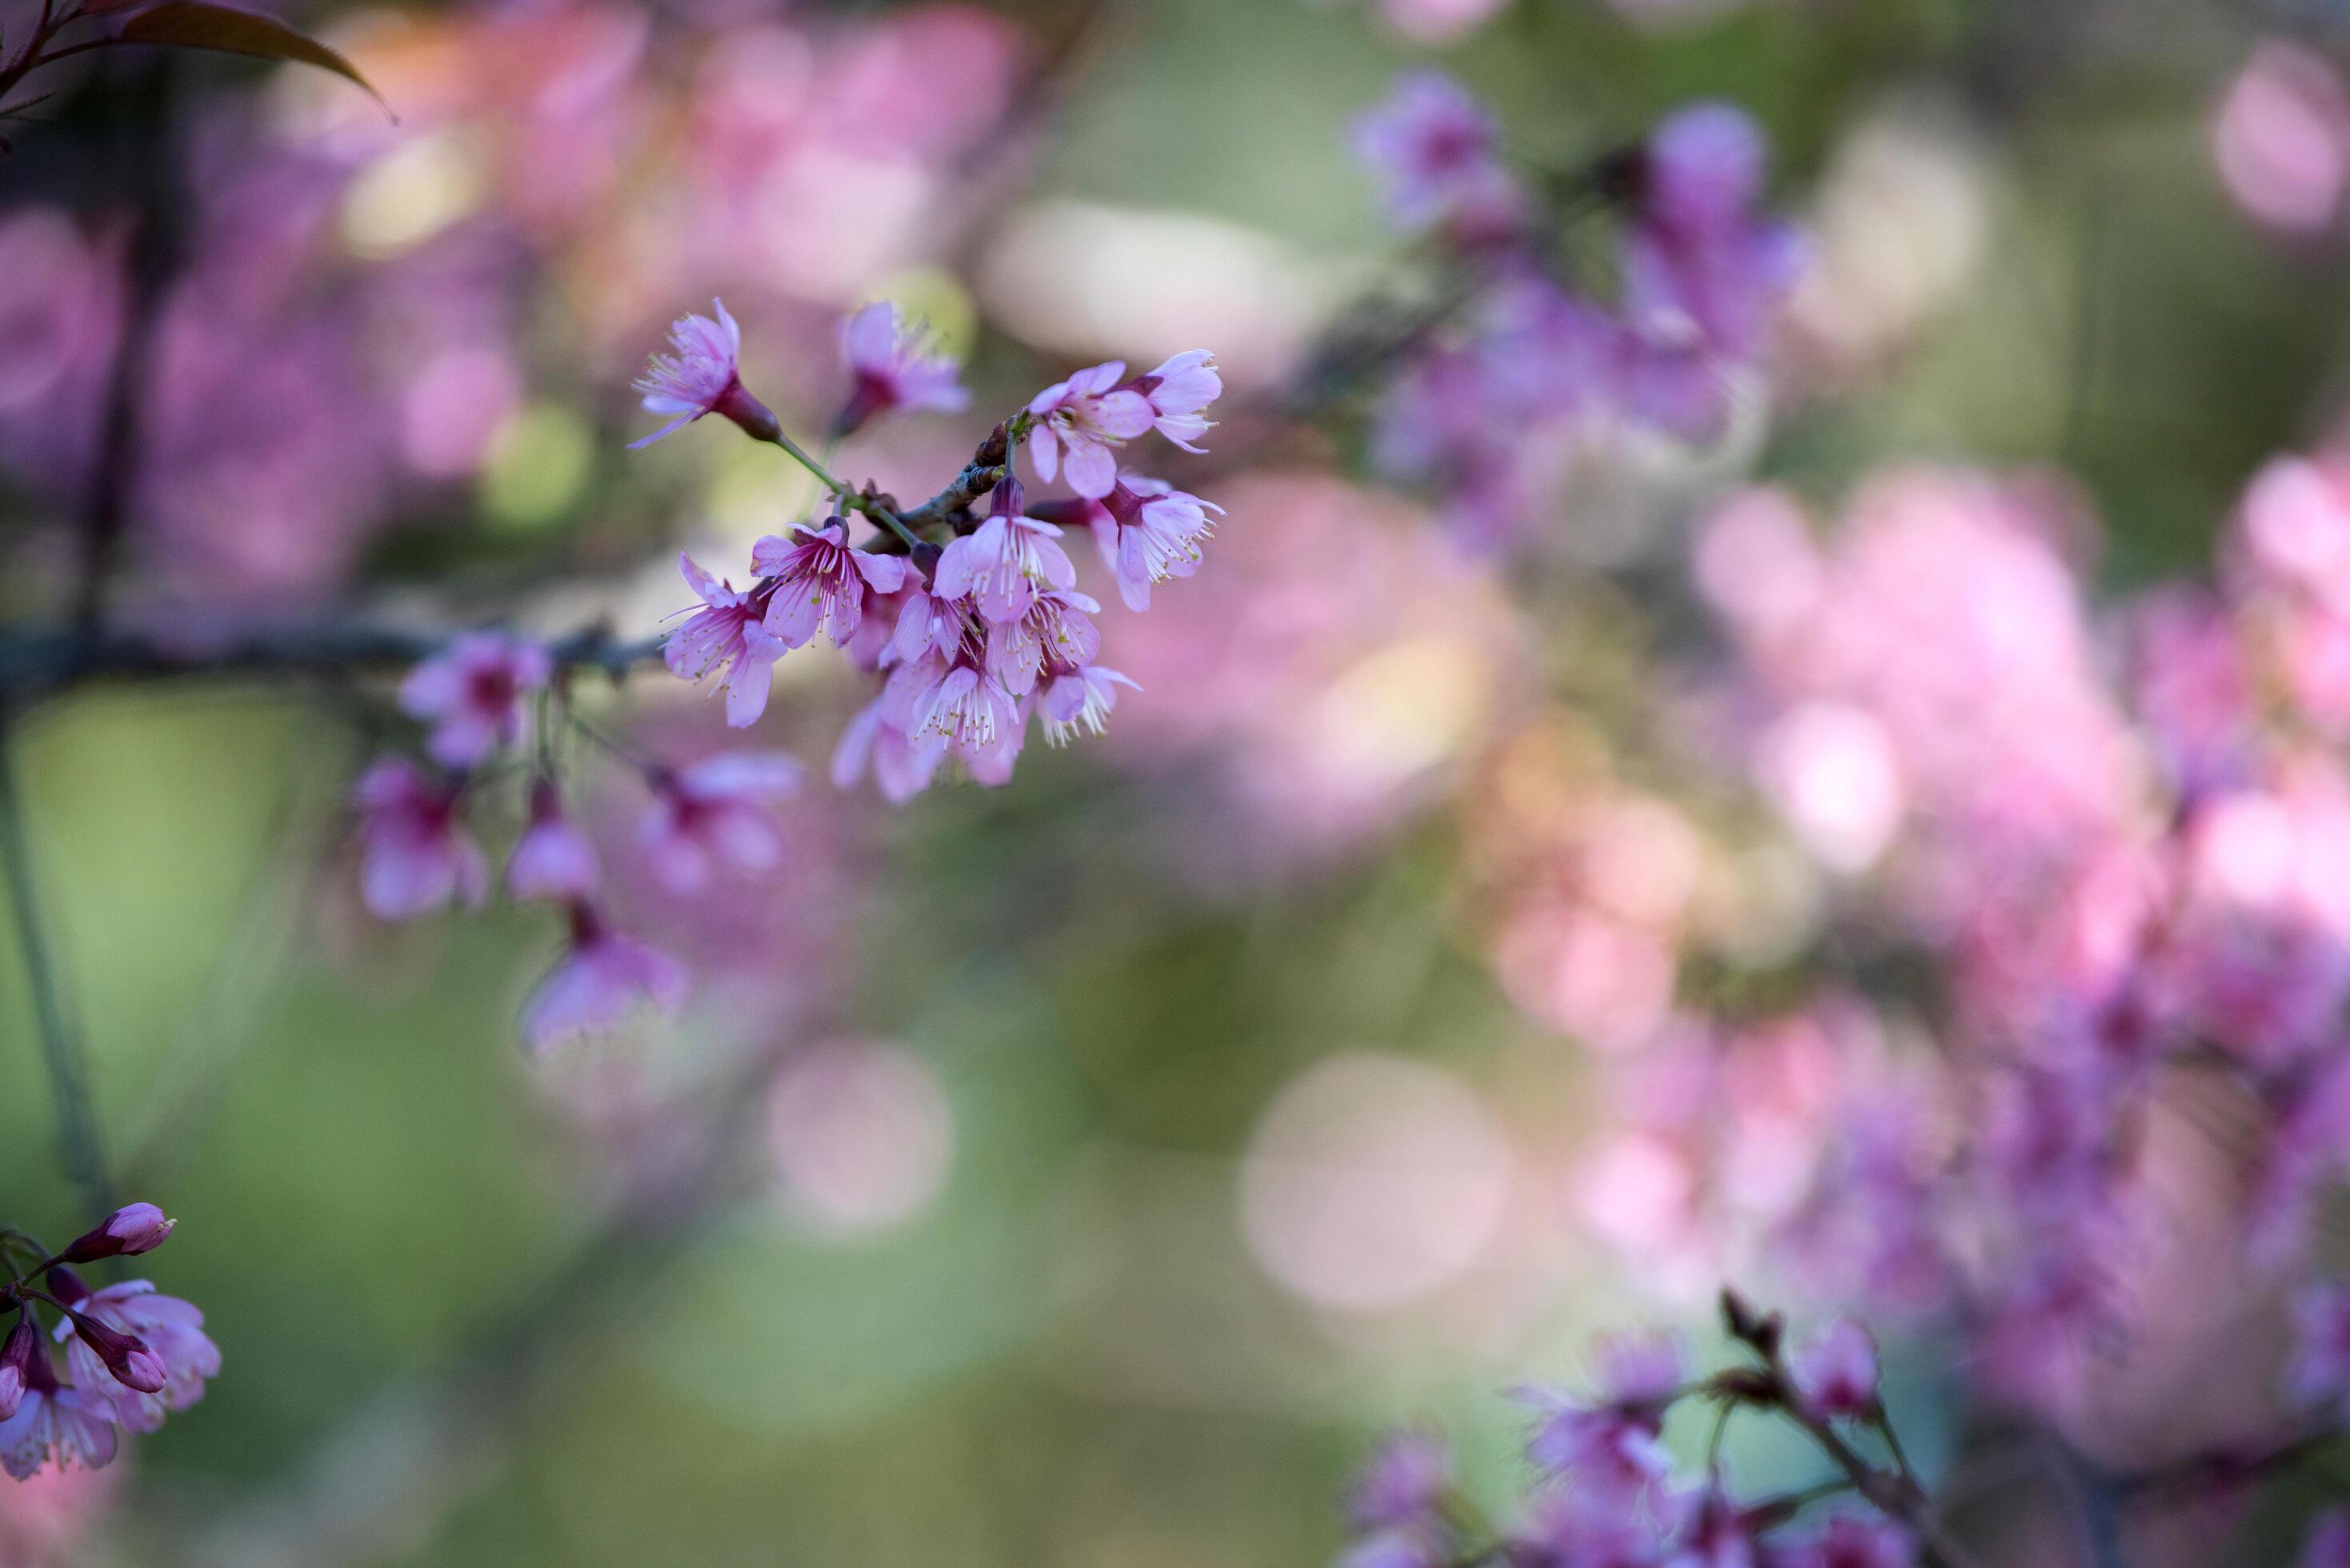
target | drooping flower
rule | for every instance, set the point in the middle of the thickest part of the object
(820, 584)
(55, 1423)
(714, 815)
(959, 698)
(1081, 422)
(131, 1230)
(1079, 699)
(170, 1332)
(1612, 1442)
(1057, 633)
(1434, 150)
(902, 765)
(1147, 532)
(416, 858)
(1011, 558)
(472, 693)
(553, 860)
(729, 633)
(1177, 391)
(702, 376)
(1835, 1373)
(601, 980)
(894, 369)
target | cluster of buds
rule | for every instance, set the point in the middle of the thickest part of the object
(1608, 1492)
(131, 1355)
(1491, 409)
(974, 619)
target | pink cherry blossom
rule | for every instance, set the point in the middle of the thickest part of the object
(1005, 564)
(1079, 700)
(472, 695)
(52, 1422)
(1612, 1442)
(714, 815)
(1177, 391)
(1057, 633)
(1081, 422)
(888, 357)
(1148, 532)
(1850, 1541)
(553, 860)
(416, 858)
(1434, 150)
(1836, 1373)
(729, 633)
(820, 584)
(901, 764)
(959, 697)
(172, 1333)
(601, 980)
(928, 622)
(700, 376)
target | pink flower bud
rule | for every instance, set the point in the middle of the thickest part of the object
(15, 1357)
(126, 1355)
(135, 1228)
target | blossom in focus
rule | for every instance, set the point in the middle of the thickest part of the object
(1177, 391)
(1612, 1441)
(1081, 422)
(700, 376)
(553, 860)
(1056, 634)
(172, 1333)
(601, 980)
(1079, 699)
(472, 693)
(131, 1230)
(728, 633)
(1835, 1371)
(715, 814)
(893, 369)
(1006, 562)
(820, 584)
(1148, 532)
(415, 856)
(1434, 149)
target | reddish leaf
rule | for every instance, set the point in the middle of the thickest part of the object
(198, 25)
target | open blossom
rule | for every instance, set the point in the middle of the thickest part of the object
(728, 633)
(1613, 1442)
(1057, 633)
(893, 370)
(1177, 391)
(1148, 532)
(1005, 563)
(169, 1371)
(553, 860)
(1081, 422)
(1434, 149)
(415, 856)
(1835, 1371)
(473, 694)
(53, 1423)
(700, 376)
(902, 765)
(715, 814)
(131, 1230)
(603, 979)
(959, 698)
(821, 584)
(1079, 700)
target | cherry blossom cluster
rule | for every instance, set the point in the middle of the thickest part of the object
(1527, 368)
(131, 1355)
(1608, 1494)
(974, 621)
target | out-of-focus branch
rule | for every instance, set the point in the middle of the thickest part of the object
(61, 1044)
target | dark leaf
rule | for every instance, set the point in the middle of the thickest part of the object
(196, 25)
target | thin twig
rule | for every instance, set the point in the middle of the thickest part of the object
(61, 1042)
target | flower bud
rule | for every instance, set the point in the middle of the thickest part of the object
(133, 1228)
(126, 1355)
(16, 1359)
